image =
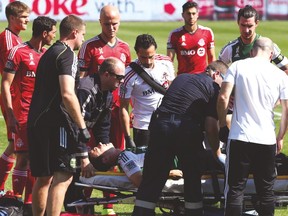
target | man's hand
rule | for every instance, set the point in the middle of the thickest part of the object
(129, 142)
(84, 135)
(223, 134)
(87, 169)
(12, 122)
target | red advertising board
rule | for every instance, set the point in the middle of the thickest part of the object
(259, 5)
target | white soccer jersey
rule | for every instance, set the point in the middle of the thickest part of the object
(144, 98)
(261, 84)
(130, 162)
(236, 50)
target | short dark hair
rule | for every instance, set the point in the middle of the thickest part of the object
(247, 12)
(98, 164)
(16, 8)
(217, 65)
(109, 64)
(41, 24)
(69, 24)
(188, 5)
(144, 41)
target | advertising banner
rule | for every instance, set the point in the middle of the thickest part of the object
(259, 5)
(224, 9)
(149, 10)
(277, 9)
(131, 10)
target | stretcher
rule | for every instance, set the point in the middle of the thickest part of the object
(171, 201)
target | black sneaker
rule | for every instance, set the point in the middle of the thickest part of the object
(27, 210)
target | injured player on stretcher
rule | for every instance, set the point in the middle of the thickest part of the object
(104, 157)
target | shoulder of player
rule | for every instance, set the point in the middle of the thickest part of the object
(130, 74)
(121, 42)
(90, 42)
(8, 39)
(90, 85)
(94, 39)
(61, 51)
(204, 28)
(177, 30)
(230, 44)
(125, 156)
(17, 49)
(7, 33)
(161, 57)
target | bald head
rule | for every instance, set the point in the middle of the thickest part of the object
(109, 11)
(263, 46)
(110, 22)
(112, 65)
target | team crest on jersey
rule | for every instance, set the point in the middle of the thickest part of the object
(31, 59)
(201, 42)
(100, 50)
(165, 78)
(19, 143)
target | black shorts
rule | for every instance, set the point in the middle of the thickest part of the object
(51, 149)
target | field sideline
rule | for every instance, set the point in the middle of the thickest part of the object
(224, 31)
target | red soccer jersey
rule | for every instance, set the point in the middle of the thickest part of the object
(191, 48)
(23, 60)
(95, 50)
(7, 41)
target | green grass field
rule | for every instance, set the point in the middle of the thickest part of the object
(224, 31)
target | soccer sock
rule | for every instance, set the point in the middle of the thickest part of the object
(108, 206)
(87, 192)
(19, 179)
(28, 188)
(6, 164)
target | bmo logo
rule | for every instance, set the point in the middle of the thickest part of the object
(56, 7)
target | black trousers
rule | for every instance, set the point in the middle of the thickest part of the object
(245, 158)
(141, 137)
(170, 136)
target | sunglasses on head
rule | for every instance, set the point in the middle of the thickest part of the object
(118, 77)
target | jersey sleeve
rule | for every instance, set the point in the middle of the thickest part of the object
(127, 162)
(226, 55)
(231, 73)
(211, 43)
(13, 61)
(171, 71)
(84, 58)
(279, 59)
(212, 104)
(128, 56)
(171, 41)
(283, 86)
(128, 84)
(67, 63)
